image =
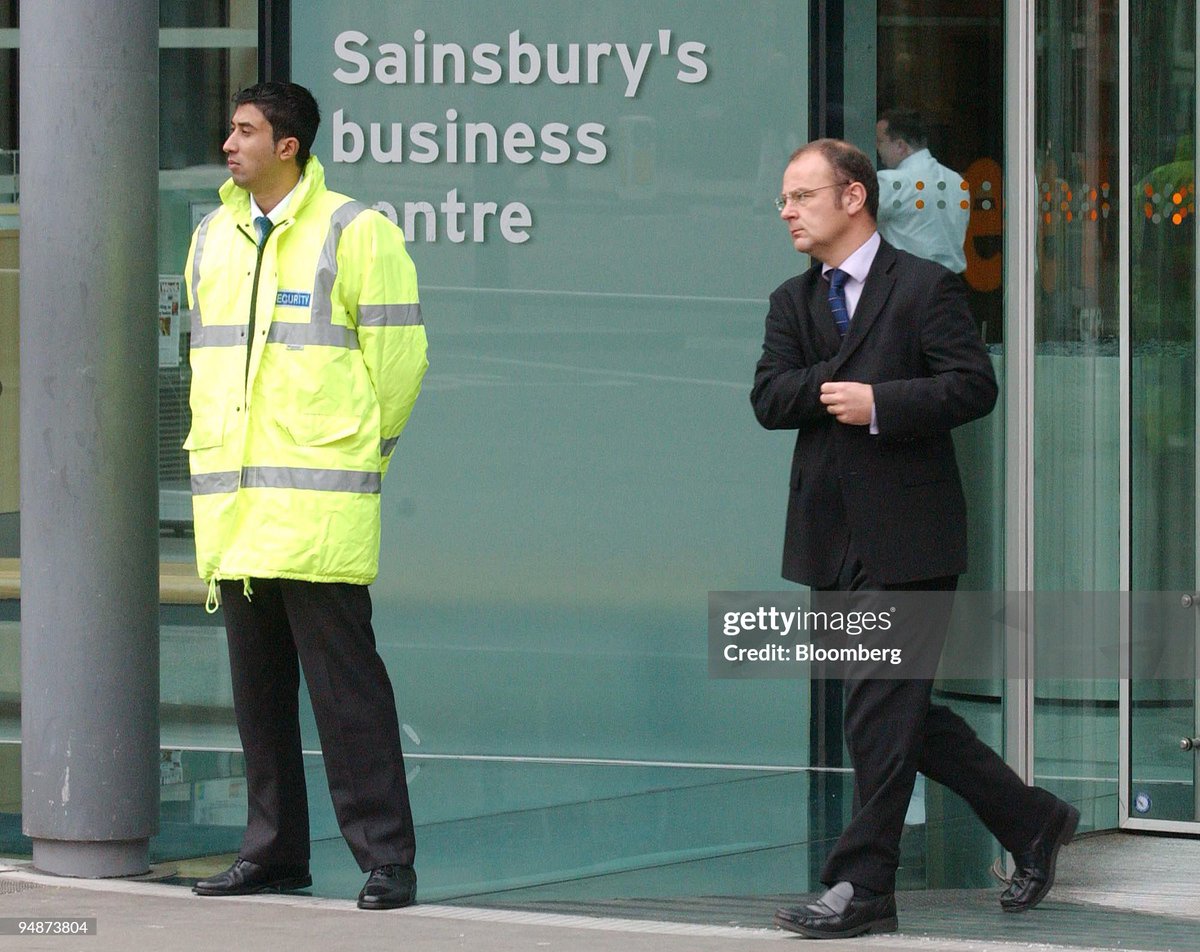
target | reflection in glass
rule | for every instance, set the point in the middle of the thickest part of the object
(1076, 373)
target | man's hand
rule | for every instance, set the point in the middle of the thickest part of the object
(849, 402)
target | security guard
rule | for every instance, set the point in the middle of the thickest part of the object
(307, 354)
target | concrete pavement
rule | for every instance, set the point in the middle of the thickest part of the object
(145, 915)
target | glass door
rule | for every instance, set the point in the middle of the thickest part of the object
(920, 85)
(1159, 701)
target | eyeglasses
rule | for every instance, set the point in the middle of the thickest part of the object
(801, 196)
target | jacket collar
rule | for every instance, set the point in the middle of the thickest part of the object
(876, 291)
(237, 199)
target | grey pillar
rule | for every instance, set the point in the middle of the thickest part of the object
(89, 487)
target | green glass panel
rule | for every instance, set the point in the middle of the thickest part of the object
(1076, 318)
(583, 466)
(1163, 392)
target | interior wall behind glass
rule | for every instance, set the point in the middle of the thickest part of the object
(944, 59)
(1076, 492)
(588, 194)
(9, 275)
(197, 78)
(8, 81)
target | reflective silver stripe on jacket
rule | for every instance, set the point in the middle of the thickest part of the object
(297, 335)
(320, 330)
(288, 477)
(219, 335)
(208, 336)
(206, 484)
(327, 266)
(323, 480)
(389, 315)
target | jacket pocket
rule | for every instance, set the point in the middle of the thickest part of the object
(316, 429)
(208, 431)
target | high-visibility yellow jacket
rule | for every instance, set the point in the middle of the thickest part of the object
(293, 432)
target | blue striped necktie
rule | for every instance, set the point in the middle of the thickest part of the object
(837, 299)
(264, 226)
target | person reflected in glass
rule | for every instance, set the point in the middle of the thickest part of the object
(923, 205)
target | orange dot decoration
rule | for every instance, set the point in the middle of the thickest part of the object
(920, 204)
(920, 185)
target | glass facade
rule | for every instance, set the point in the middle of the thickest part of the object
(582, 466)
(1162, 394)
(1077, 287)
(944, 62)
(587, 194)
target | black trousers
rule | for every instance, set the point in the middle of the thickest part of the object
(325, 629)
(893, 730)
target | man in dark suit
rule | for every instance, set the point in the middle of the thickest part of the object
(873, 358)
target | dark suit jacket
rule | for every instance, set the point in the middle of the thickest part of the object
(897, 494)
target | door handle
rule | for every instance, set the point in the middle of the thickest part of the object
(1189, 743)
(1191, 600)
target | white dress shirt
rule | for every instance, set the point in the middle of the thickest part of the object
(858, 266)
(276, 214)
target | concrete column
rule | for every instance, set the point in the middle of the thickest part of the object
(89, 483)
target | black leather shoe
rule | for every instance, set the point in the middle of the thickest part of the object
(838, 915)
(389, 887)
(244, 878)
(1035, 864)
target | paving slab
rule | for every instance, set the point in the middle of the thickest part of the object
(148, 915)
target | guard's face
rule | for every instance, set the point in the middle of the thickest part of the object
(815, 213)
(255, 160)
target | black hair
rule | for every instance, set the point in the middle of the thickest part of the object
(906, 125)
(290, 109)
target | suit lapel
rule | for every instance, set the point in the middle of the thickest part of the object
(876, 291)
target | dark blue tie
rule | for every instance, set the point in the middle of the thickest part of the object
(264, 226)
(837, 299)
